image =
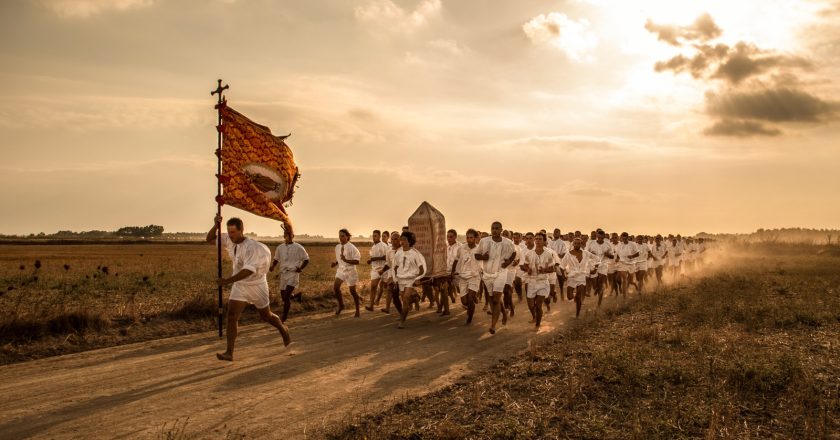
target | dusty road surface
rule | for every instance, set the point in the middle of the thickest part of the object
(335, 368)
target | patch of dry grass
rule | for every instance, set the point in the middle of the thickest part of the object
(746, 353)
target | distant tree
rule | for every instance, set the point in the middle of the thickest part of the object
(140, 231)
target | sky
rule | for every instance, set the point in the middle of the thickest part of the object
(650, 116)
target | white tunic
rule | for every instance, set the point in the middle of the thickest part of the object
(408, 264)
(625, 250)
(248, 255)
(535, 261)
(290, 256)
(377, 250)
(351, 252)
(498, 251)
(468, 266)
(578, 268)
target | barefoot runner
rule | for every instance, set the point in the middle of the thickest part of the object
(347, 257)
(251, 260)
(292, 258)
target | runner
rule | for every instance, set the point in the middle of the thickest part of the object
(577, 265)
(467, 270)
(641, 262)
(410, 266)
(625, 254)
(251, 260)
(497, 253)
(292, 258)
(347, 257)
(376, 261)
(659, 254)
(539, 265)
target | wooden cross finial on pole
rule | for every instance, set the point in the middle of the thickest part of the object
(219, 90)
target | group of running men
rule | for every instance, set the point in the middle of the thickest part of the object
(493, 266)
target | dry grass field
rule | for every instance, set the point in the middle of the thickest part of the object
(60, 299)
(751, 351)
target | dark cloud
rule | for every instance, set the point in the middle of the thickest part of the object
(703, 29)
(733, 64)
(770, 104)
(756, 89)
(737, 128)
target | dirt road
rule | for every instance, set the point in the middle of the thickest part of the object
(337, 367)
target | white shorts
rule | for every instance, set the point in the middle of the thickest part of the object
(374, 274)
(576, 280)
(495, 283)
(289, 279)
(674, 262)
(405, 283)
(552, 279)
(604, 268)
(537, 288)
(641, 266)
(349, 277)
(256, 294)
(624, 267)
(511, 274)
(465, 284)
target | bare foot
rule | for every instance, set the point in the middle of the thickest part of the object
(224, 357)
(511, 313)
(531, 321)
(445, 313)
(338, 312)
(368, 308)
(284, 332)
(388, 311)
(400, 326)
(504, 318)
(357, 315)
(492, 331)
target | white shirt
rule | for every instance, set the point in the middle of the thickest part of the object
(389, 260)
(558, 246)
(377, 250)
(408, 264)
(658, 252)
(573, 267)
(674, 250)
(248, 255)
(498, 250)
(351, 252)
(536, 261)
(644, 252)
(468, 266)
(290, 256)
(516, 260)
(599, 249)
(624, 250)
(452, 254)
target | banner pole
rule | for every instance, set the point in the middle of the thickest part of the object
(218, 91)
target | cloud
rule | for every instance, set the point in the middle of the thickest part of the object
(738, 128)
(89, 8)
(733, 64)
(559, 144)
(572, 37)
(386, 15)
(703, 29)
(772, 104)
(91, 113)
(754, 87)
(450, 47)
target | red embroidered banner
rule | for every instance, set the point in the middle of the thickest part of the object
(258, 169)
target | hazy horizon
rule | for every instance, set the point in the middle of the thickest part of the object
(647, 116)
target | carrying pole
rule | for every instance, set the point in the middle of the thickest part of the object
(218, 91)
